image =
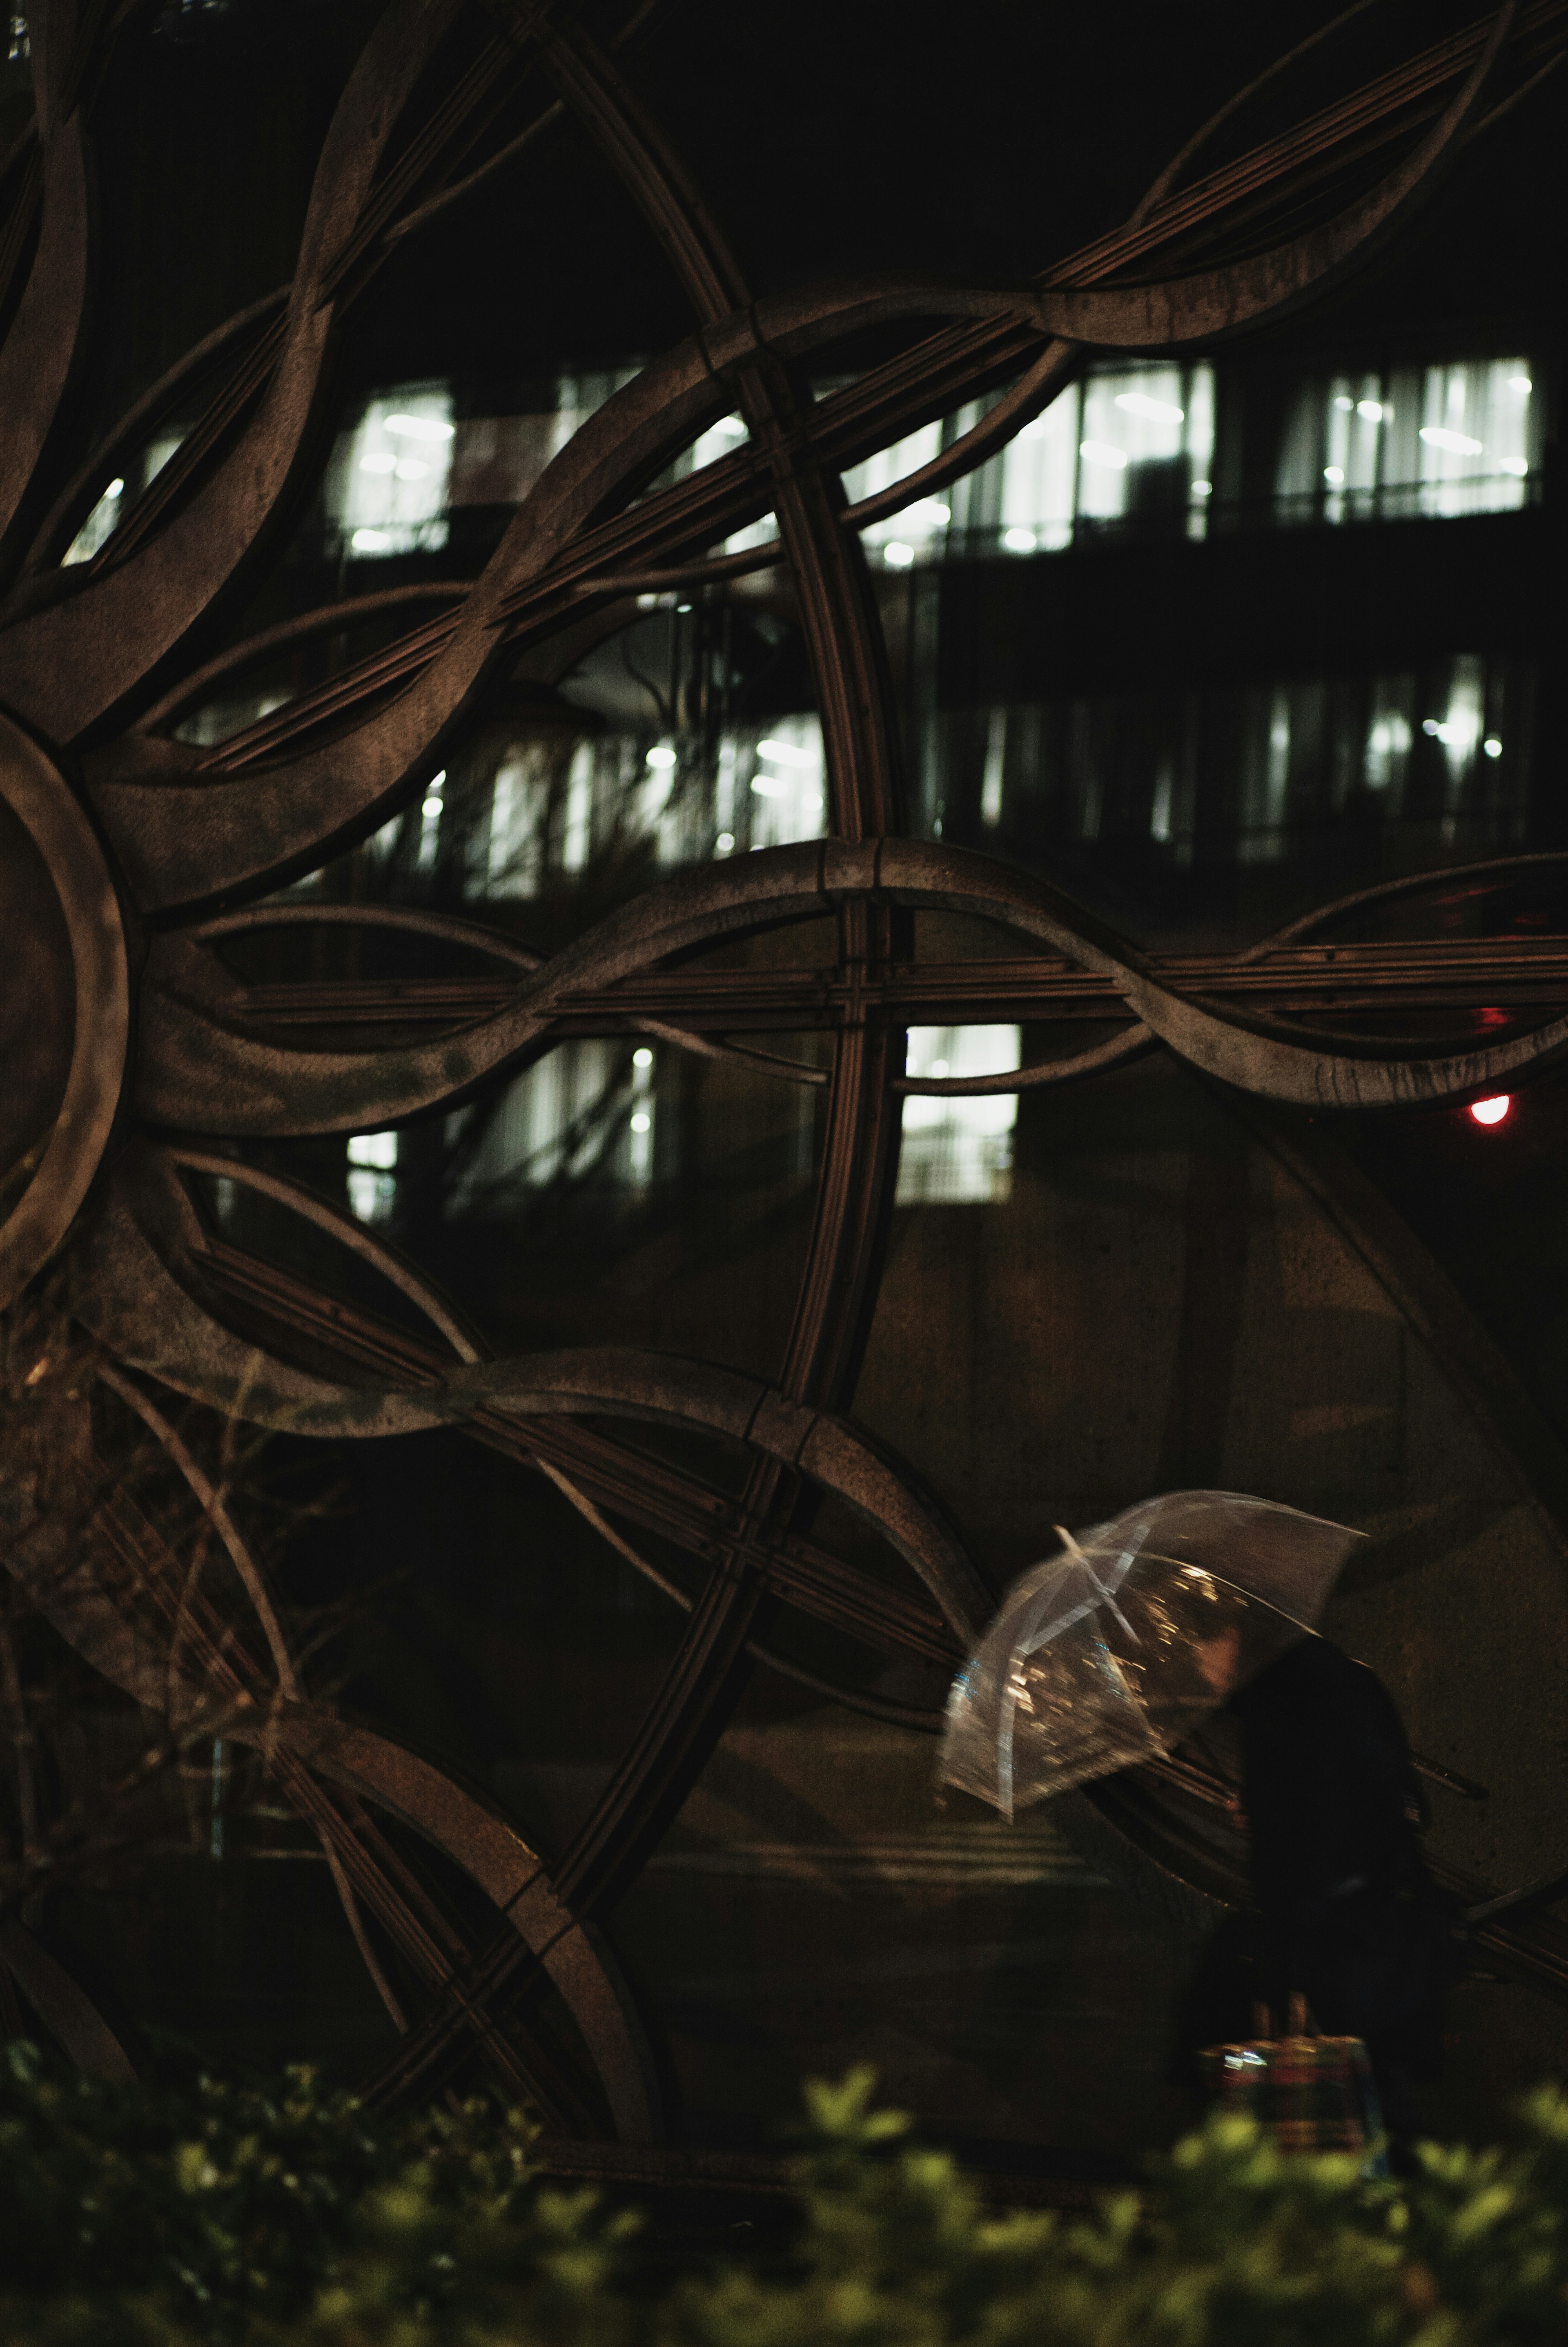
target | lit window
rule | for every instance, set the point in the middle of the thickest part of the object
(571, 1116)
(553, 804)
(386, 489)
(919, 531)
(1431, 442)
(957, 1151)
(372, 1184)
(1132, 447)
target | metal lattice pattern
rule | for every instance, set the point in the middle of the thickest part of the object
(135, 856)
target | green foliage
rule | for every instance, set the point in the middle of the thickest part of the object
(133, 2220)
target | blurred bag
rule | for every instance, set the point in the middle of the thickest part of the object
(1308, 2094)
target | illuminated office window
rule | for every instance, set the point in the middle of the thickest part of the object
(557, 806)
(1127, 451)
(1414, 442)
(918, 530)
(1250, 774)
(387, 488)
(579, 1111)
(958, 1152)
(372, 1175)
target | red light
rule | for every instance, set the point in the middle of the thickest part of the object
(1492, 1111)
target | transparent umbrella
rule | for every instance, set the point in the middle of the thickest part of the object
(1111, 1650)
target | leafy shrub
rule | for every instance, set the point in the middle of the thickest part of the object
(135, 2219)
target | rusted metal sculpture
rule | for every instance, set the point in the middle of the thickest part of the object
(130, 858)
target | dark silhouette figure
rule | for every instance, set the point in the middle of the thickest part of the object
(1346, 1913)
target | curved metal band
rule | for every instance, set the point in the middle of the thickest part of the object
(32, 787)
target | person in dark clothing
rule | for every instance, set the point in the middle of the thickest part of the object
(1348, 1914)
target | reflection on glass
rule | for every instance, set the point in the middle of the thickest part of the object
(1431, 442)
(958, 1152)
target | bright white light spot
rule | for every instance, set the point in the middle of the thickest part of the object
(430, 809)
(784, 753)
(725, 842)
(378, 461)
(1158, 410)
(420, 427)
(642, 1122)
(1458, 444)
(1203, 488)
(437, 780)
(771, 786)
(1100, 452)
(1430, 725)
(114, 489)
(939, 1068)
(732, 426)
(1518, 466)
(1492, 747)
(928, 513)
(377, 1149)
(662, 757)
(1371, 409)
(1492, 1111)
(1344, 404)
(813, 800)
(412, 468)
(1521, 383)
(370, 541)
(1332, 472)
(896, 555)
(642, 1058)
(1019, 541)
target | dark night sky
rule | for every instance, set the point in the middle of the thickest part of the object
(830, 138)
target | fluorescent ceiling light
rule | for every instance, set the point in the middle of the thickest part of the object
(662, 757)
(929, 511)
(370, 541)
(785, 754)
(770, 786)
(1458, 444)
(420, 427)
(896, 555)
(382, 461)
(1100, 452)
(1158, 410)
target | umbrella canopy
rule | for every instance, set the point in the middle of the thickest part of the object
(1113, 1649)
